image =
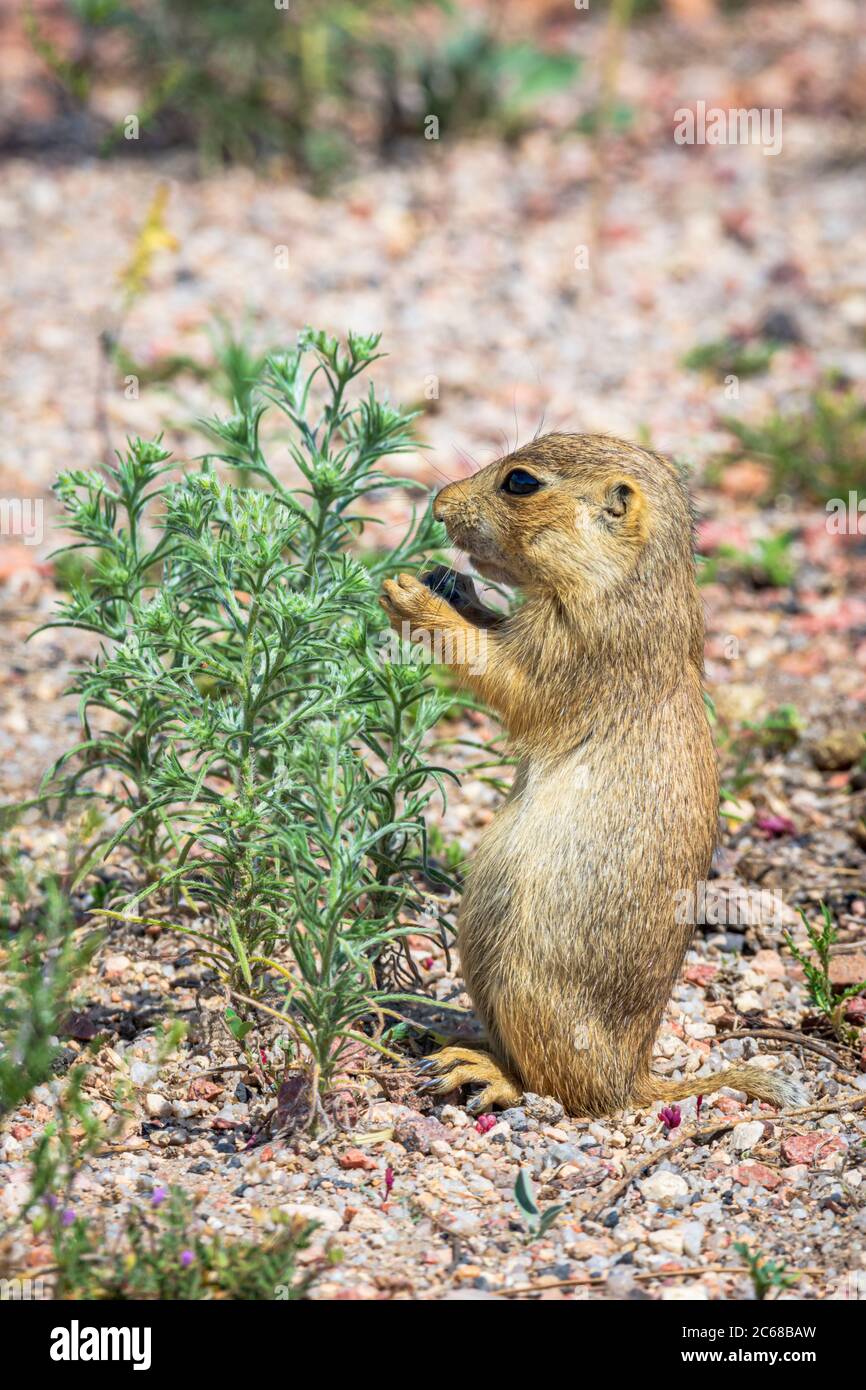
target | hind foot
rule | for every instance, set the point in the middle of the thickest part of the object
(453, 1067)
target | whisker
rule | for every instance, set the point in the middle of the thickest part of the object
(464, 453)
(506, 447)
(437, 469)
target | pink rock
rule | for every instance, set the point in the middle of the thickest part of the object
(354, 1158)
(759, 1173)
(701, 974)
(769, 964)
(728, 1106)
(745, 480)
(806, 1148)
(847, 969)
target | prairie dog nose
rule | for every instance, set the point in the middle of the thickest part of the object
(442, 501)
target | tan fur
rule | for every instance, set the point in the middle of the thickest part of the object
(568, 935)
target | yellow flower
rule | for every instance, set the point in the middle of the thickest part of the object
(154, 236)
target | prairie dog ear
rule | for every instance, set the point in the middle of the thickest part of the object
(624, 506)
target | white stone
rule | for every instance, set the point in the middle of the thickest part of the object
(693, 1237)
(670, 1240)
(700, 1030)
(664, 1187)
(142, 1073)
(115, 967)
(747, 1135)
(748, 1002)
(329, 1220)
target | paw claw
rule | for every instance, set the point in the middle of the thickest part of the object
(454, 1067)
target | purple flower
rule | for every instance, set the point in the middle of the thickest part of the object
(51, 1202)
(776, 826)
(67, 1217)
(389, 1180)
(186, 1258)
(158, 1196)
(670, 1117)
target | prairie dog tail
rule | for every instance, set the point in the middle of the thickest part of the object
(758, 1085)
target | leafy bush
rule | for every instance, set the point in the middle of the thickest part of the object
(267, 765)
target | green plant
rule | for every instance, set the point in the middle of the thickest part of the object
(765, 1274)
(777, 732)
(451, 852)
(537, 1222)
(769, 563)
(472, 79)
(42, 959)
(731, 357)
(823, 994)
(160, 1255)
(73, 74)
(817, 449)
(267, 763)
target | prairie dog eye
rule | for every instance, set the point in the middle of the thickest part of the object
(520, 483)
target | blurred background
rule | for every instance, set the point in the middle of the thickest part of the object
(496, 187)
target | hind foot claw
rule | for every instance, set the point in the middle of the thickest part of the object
(454, 1067)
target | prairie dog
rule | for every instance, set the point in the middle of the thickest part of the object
(569, 935)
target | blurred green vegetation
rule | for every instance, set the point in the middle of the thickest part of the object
(817, 450)
(243, 81)
(767, 564)
(730, 357)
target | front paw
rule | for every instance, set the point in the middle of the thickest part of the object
(406, 600)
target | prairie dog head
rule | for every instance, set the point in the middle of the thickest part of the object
(576, 515)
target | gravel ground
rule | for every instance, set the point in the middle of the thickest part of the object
(464, 256)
